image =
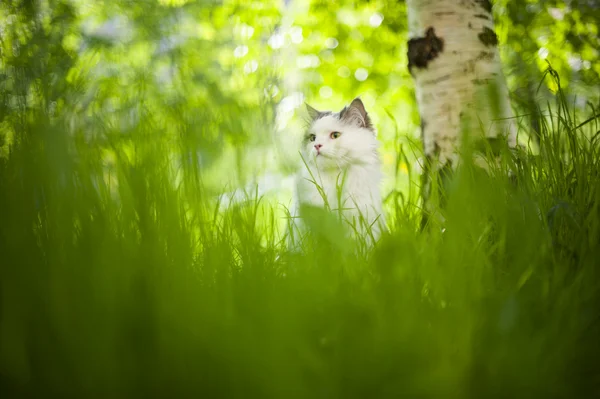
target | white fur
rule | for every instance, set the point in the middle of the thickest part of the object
(353, 154)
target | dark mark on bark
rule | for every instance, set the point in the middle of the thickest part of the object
(488, 37)
(485, 4)
(470, 25)
(470, 65)
(481, 81)
(438, 80)
(485, 55)
(443, 13)
(421, 50)
(468, 4)
(481, 16)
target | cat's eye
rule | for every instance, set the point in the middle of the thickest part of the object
(335, 135)
(312, 137)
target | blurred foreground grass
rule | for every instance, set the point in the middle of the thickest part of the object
(124, 284)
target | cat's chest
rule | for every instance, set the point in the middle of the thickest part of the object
(339, 190)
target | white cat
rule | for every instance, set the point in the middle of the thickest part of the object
(340, 155)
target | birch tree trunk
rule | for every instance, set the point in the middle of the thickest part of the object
(460, 88)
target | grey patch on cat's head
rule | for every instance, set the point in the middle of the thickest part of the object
(356, 114)
(314, 114)
(353, 114)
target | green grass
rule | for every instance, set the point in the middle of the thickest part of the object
(116, 282)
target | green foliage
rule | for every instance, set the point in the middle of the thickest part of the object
(562, 33)
(122, 274)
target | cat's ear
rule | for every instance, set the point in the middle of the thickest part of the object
(313, 114)
(356, 114)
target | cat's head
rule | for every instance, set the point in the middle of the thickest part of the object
(340, 139)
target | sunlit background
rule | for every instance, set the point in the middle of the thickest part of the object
(230, 78)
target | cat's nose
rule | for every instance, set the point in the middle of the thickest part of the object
(318, 146)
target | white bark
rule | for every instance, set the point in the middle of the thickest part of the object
(462, 87)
